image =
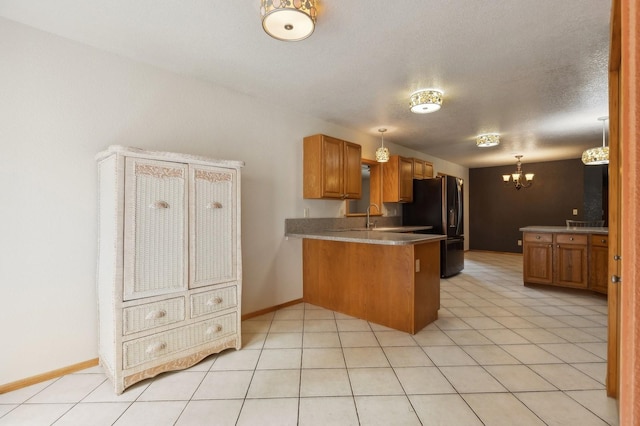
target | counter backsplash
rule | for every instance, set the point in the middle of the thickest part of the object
(307, 225)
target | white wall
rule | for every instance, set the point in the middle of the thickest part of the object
(61, 103)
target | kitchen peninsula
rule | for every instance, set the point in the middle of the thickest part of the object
(389, 278)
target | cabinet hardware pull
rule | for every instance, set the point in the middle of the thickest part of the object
(159, 205)
(537, 237)
(214, 205)
(616, 279)
(215, 329)
(157, 314)
(603, 241)
(550, 245)
(156, 347)
(570, 238)
(214, 301)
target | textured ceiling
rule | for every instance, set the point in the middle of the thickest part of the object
(533, 70)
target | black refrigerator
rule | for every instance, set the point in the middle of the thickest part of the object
(438, 203)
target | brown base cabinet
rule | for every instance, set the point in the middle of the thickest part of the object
(565, 260)
(397, 286)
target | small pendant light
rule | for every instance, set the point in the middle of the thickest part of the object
(382, 153)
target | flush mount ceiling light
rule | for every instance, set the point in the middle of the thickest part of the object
(486, 140)
(426, 100)
(600, 154)
(288, 20)
(520, 179)
(382, 153)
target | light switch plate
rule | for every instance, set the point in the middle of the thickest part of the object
(575, 212)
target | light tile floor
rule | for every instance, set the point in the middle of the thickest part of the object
(499, 354)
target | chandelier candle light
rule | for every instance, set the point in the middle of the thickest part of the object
(424, 101)
(288, 20)
(382, 153)
(487, 140)
(600, 154)
(520, 179)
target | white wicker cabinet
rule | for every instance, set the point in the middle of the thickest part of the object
(169, 261)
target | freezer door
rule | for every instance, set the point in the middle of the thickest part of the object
(451, 256)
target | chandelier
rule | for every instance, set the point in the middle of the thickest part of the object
(520, 179)
(426, 100)
(600, 154)
(288, 20)
(382, 153)
(487, 140)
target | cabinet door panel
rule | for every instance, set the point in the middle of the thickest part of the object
(213, 228)
(406, 180)
(155, 228)
(352, 170)
(538, 263)
(332, 177)
(571, 265)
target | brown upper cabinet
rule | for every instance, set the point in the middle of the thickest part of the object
(397, 180)
(331, 168)
(422, 169)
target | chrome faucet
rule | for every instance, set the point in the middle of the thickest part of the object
(369, 212)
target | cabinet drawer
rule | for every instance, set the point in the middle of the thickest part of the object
(169, 342)
(151, 315)
(600, 240)
(536, 237)
(213, 301)
(571, 239)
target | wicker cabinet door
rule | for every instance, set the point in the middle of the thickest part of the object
(213, 229)
(155, 227)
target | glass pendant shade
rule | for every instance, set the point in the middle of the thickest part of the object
(506, 178)
(382, 153)
(600, 154)
(487, 140)
(288, 20)
(425, 101)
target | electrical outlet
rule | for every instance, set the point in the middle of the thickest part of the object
(306, 212)
(519, 242)
(575, 212)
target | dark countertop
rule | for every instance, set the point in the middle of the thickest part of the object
(564, 229)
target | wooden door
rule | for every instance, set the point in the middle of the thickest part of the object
(629, 150)
(538, 263)
(406, 179)
(352, 170)
(598, 264)
(332, 167)
(615, 198)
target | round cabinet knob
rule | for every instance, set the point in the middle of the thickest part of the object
(214, 329)
(570, 238)
(155, 347)
(537, 237)
(157, 314)
(159, 205)
(603, 241)
(214, 301)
